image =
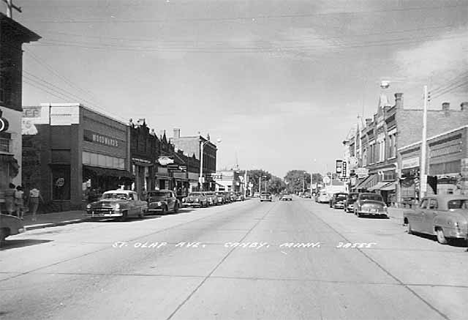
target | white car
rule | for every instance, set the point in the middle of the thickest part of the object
(323, 197)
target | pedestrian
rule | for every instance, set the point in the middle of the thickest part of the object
(34, 197)
(19, 202)
(10, 199)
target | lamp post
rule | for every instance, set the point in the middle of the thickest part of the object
(202, 145)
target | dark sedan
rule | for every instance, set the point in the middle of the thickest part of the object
(370, 204)
(163, 200)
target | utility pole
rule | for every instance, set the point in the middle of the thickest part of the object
(10, 7)
(422, 169)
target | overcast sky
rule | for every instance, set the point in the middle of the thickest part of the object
(280, 82)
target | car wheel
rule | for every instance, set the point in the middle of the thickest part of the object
(124, 216)
(441, 236)
(141, 213)
(408, 228)
(164, 210)
(176, 208)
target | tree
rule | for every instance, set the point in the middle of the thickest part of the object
(254, 178)
(276, 185)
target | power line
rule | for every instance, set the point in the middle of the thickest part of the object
(450, 83)
(223, 42)
(260, 17)
(450, 90)
(274, 47)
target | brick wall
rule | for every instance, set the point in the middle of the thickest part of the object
(410, 123)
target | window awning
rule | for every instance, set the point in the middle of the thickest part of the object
(389, 186)
(378, 186)
(369, 180)
(106, 172)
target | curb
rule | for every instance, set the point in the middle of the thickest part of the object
(54, 224)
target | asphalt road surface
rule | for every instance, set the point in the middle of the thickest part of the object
(245, 260)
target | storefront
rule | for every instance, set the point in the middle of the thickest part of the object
(80, 154)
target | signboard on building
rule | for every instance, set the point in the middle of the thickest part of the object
(164, 160)
(410, 163)
(362, 172)
(339, 166)
(94, 137)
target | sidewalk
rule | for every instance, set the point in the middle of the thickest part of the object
(53, 219)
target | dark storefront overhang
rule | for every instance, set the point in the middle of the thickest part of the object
(106, 172)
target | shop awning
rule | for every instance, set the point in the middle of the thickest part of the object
(389, 186)
(377, 186)
(363, 183)
(106, 172)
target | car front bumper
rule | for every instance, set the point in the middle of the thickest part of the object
(371, 212)
(191, 204)
(103, 214)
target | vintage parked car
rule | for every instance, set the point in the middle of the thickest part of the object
(338, 199)
(445, 216)
(212, 198)
(119, 204)
(370, 204)
(163, 201)
(266, 196)
(350, 200)
(221, 197)
(9, 226)
(286, 197)
(195, 199)
(323, 197)
(240, 197)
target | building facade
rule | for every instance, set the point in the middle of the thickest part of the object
(375, 158)
(194, 145)
(73, 154)
(12, 36)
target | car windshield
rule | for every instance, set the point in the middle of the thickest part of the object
(159, 195)
(121, 196)
(458, 204)
(375, 197)
(195, 194)
(353, 196)
(341, 197)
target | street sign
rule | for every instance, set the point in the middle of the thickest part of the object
(362, 172)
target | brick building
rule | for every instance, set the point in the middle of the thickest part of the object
(374, 146)
(12, 36)
(192, 145)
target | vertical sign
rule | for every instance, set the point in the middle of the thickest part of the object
(344, 172)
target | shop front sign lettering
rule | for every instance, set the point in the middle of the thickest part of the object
(97, 138)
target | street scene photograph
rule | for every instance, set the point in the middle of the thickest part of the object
(234, 159)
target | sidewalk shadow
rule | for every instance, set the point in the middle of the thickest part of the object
(12, 244)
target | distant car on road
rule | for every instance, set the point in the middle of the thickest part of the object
(445, 216)
(286, 197)
(163, 201)
(338, 200)
(266, 196)
(119, 204)
(9, 226)
(370, 204)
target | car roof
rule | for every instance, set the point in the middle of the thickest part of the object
(120, 191)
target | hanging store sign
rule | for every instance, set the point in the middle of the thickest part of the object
(164, 160)
(362, 172)
(410, 163)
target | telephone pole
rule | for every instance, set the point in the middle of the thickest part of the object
(10, 7)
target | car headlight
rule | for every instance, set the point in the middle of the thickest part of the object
(159, 203)
(88, 206)
(196, 200)
(117, 206)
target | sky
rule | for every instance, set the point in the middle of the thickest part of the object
(280, 82)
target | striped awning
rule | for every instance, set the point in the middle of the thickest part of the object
(389, 186)
(378, 186)
(368, 182)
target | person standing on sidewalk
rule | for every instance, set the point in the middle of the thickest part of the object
(19, 202)
(10, 199)
(34, 197)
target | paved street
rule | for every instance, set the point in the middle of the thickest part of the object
(245, 260)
